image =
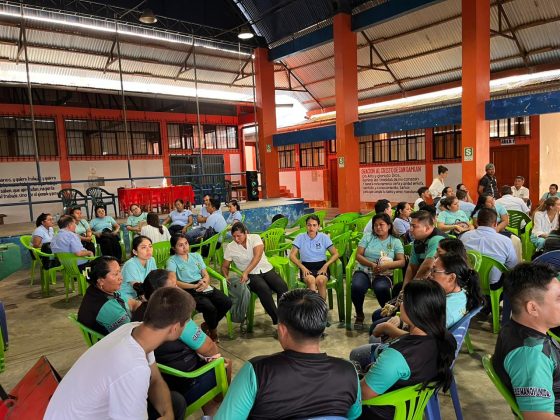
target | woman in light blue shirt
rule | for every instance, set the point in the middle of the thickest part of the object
(451, 219)
(401, 221)
(379, 253)
(181, 218)
(41, 238)
(136, 269)
(106, 230)
(312, 247)
(234, 212)
(192, 276)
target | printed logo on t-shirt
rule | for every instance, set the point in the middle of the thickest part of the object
(530, 391)
(196, 335)
(317, 245)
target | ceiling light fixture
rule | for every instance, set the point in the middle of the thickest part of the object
(148, 17)
(245, 33)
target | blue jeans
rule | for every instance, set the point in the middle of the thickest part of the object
(361, 282)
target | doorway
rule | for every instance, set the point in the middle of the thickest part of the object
(510, 161)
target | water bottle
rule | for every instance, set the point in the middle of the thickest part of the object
(56, 217)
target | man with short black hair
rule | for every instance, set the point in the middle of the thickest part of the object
(201, 218)
(525, 357)
(488, 183)
(114, 378)
(66, 240)
(519, 191)
(424, 247)
(381, 206)
(278, 386)
(510, 202)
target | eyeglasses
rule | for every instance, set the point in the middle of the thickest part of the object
(434, 271)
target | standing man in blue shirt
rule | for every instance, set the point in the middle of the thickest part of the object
(278, 386)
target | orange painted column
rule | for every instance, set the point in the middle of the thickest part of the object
(63, 163)
(165, 150)
(266, 120)
(346, 93)
(476, 89)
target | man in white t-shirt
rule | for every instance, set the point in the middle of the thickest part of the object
(518, 190)
(511, 202)
(116, 377)
(201, 218)
(424, 195)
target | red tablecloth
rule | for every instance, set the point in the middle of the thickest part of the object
(156, 197)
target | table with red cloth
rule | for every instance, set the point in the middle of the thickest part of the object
(149, 198)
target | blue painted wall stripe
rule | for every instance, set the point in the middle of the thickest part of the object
(410, 121)
(327, 132)
(392, 9)
(519, 106)
(303, 43)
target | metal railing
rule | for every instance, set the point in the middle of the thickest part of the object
(30, 203)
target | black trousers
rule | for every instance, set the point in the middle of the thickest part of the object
(110, 245)
(179, 407)
(263, 285)
(213, 306)
(89, 246)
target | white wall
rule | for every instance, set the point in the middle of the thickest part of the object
(288, 180)
(234, 165)
(549, 151)
(312, 185)
(117, 169)
(24, 172)
(455, 174)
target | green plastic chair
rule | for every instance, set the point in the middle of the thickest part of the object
(502, 389)
(408, 249)
(279, 223)
(409, 402)
(26, 242)
(398, 277)
(275, 250)
(252, 301)
(475, 259)
(90, 336)
(218, 366)
(69, 262)
(48, 276)
(486, 266)
(528, 248)
(224, 288)
(344, 218)
(321, 214)
(359, 224)
(334, 229)
(516, 221)
(212, 243)
(336, 279)
(161, 253)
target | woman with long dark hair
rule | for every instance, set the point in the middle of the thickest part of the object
(154, 230)
(487, 200)
(423, 356)
(379, 253)
(401, 221)
(545, 220)
(106, 230)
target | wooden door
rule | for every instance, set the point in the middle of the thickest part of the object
(510, 161)
(333, 181)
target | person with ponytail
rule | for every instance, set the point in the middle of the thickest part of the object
(409, 360)
(154, 230)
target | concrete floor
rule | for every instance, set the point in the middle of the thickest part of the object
(39, 326)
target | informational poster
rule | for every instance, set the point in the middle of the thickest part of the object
(394, 183)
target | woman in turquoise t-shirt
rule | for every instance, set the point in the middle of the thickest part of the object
(106, 231)
(193, 277)
(487, 200)
(422, 356)
(379, 253)
(137, 267)
(451, 219)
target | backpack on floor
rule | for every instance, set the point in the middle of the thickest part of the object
(240, 297)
